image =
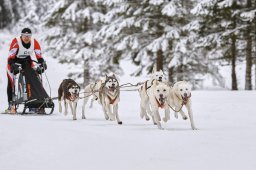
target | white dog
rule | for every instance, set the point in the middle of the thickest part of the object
(107, 92)
(180, 95)
(155, 97)
(156, 75)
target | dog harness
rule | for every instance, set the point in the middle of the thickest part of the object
(112, 101)
(148, 87)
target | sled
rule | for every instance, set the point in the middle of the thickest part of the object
(29, 93)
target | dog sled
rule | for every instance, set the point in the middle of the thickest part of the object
(29, 93)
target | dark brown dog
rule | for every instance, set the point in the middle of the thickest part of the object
(68, 92)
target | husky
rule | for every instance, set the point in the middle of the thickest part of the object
(69, 93)
(179, 96)
(107, 92)
(156, 97)
(156, 75)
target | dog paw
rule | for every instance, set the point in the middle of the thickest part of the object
(147, 118)
(194, 128)
(185, 118)
(83, 117)
(120, 122)
(74, 118)
(106, 117)
(155, 123)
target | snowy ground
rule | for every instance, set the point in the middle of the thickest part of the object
(225, 140)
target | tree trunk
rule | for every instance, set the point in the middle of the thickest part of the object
(159, 60)
(255, 70)
(86, 72)
(255, 47)
(171, 75)
(233, 60)
(248, 74)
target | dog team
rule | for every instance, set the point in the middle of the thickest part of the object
(155, 94)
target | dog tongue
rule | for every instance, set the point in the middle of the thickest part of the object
(161, 100)
(185, 98)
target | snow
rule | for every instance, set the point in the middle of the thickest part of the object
(225, 139)
(225, 3)
(169, 10)
(249, 15)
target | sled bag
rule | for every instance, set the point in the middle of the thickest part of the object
(35, 89)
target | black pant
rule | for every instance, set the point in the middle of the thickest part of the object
(9, 90)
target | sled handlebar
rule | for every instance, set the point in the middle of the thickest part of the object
(42, 64)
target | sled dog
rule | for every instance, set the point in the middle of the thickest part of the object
(69, 93)
(107, 92)
(152, 99)
(179, 96)
(147, 85)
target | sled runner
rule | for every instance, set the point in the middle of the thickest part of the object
(29, 92)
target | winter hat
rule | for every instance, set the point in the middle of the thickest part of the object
(26, 31)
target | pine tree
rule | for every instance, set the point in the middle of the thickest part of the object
(143, 31)
(74, 25)
(219, 31)
(4, 17)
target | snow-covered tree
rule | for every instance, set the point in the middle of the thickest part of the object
(187, 39)
(73, 25)
(154, 32)
(219, 31)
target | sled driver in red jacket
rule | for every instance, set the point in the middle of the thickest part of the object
(21, 49)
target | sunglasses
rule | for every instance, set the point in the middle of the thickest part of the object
(26, 35)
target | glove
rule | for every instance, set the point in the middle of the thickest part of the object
(39, 70)
(14, 69)
(43, 64)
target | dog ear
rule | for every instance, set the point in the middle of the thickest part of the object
(69, 85)
(114, 76)
(190, 85)
(176, 86)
